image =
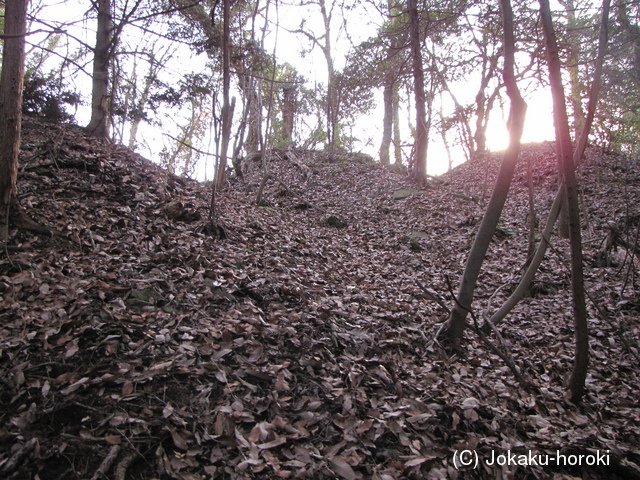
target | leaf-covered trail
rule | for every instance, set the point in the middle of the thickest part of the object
(135, 345)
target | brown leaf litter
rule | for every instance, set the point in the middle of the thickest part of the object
(135, 345)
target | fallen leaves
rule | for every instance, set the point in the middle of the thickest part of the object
(291, 349)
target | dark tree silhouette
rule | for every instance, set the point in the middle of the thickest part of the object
(452, 331)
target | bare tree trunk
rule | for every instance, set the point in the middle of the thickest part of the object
(479, 137)
(288, 111)
(387, 124)
(420, 161)
(226, 107)
(118, 78)
(596, 86)
(254, 117)
(483, 107)
(11, 83)
(99, 123)
(332, 127)
(445, 141)
(531, 237)
(227, 117)
(527, 278)
(239, 140)
(397, 139)
(452, 331)
(567, 169)
(572, 46)
(563, 223)
(575, 98)
(483, 111)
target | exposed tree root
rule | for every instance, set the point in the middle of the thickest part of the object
(19, 219)
(13, 463)
(123, 466)
(106, 464)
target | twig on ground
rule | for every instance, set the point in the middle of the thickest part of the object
(435, 297)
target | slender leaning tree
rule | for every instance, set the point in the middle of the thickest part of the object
(452, 331)
(568, 176)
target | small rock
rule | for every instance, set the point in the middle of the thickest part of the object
(336, 222)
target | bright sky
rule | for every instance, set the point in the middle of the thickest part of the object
(362, 24)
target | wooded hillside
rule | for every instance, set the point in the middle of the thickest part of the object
(136, 344)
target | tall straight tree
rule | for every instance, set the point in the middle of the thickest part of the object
(420, 161)
(11, 84)
(392, 67)
(452, 331)
(387, 124)
(567, 174)
(107, 35)
(332, 124)
(99, 123)
(226, 104)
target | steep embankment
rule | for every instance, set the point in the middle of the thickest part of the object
(133, 344)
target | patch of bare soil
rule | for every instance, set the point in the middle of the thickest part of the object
(134, 345)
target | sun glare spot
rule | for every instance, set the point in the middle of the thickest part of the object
(538, 126)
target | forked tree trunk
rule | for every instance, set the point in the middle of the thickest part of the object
(99, 123)
(420, 161)
(452, 331)
(529, 275)
(11, 83)
(460, 116)
(567, 170)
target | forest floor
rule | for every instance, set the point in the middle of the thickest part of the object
(136, 345)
